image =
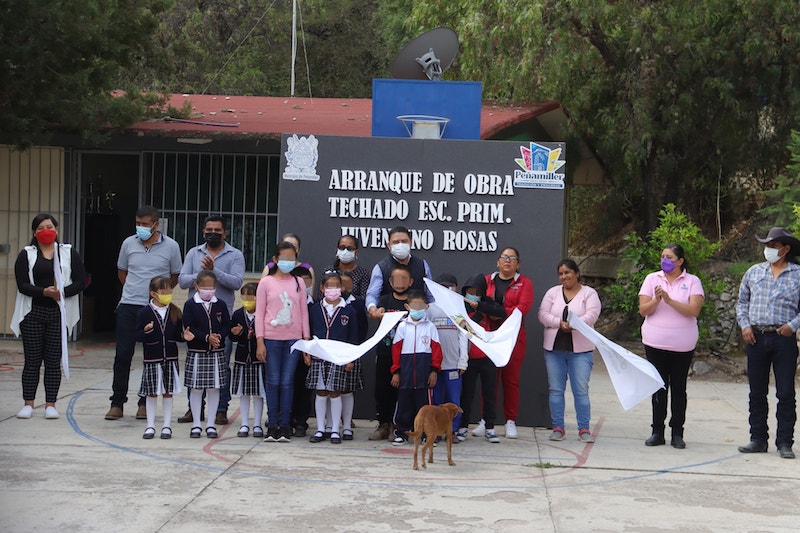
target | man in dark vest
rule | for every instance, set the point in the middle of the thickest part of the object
(399, 245)
(379, 290)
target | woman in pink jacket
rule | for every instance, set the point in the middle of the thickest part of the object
(567, 353)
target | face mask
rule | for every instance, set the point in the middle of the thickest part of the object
(143, 233)
(213, 239)
(334, 293)
(164, 299)
(206, 294)
(285, 266)
(249, 305)
(771, 254)
(46, 236)
(401, 250)
(472, 297)
(667, 265)
(346, 256)
(416, 314)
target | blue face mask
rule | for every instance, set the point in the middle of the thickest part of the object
(472, 297)
(416, 314)
(286, 266)
(143, 233)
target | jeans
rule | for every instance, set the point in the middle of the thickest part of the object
(780, 353)
(126, 345)
(577, 367)
(674, 370)
(448, 389)
(280, 368)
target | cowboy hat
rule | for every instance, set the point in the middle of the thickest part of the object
(783, 237)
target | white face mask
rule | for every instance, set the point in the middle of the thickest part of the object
(346, 256)
(401, 250)
(771, 254)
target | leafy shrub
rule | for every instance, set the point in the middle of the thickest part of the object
(784, 208)
(643, 256)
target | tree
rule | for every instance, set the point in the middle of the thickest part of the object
(61, 60)
(675, 99)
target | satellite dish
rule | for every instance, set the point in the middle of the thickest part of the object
(427, 56)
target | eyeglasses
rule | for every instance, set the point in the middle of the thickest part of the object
(510, 258)
(348, 248)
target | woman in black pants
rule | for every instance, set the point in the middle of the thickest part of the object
(46, 272)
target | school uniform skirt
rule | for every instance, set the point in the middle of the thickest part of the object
(248, 380)
(205, 370)
(324, 375)
(160, 378)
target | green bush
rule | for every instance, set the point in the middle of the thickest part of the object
(784, 207)
(643, 256)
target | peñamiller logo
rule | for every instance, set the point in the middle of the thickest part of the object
(542, 168)
(301, 158)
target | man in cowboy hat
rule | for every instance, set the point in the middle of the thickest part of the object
(768, 311)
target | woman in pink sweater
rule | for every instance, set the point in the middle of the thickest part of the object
(281, 319)
(567, 353)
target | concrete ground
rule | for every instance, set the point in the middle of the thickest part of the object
(83, 473)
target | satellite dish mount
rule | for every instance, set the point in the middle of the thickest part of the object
(427, 56)
(431, 65)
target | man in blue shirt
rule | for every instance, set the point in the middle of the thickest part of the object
(143, 256)
(768, 311)
(227, 263)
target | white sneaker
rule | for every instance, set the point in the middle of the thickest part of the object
(50, 413)
(25, 412)
(480, 431)
(511, 430)
(491, 436)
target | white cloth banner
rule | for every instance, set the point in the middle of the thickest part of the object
(341, 353)
(634, 378)
(59, 278)
(497, 345)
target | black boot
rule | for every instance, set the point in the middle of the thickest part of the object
(656, 439)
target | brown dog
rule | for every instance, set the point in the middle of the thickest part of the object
(434, 420)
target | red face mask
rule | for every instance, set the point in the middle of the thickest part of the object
(46, 236)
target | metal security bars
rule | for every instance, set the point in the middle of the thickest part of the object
(187, 187)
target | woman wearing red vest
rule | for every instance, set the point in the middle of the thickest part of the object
(513, 291)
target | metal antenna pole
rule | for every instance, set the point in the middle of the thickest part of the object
(294, 41)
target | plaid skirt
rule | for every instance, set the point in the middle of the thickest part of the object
(205, 370)
(248, 380)
(334, 377)
(160, 378)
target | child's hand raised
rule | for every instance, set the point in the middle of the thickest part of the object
(237, 329)
(148, 327)
(187, 334)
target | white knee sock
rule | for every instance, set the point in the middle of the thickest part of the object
(336, 413)
(166, 404)
(347, 410)
(195, 403)
(244, 409)
(328, 423)
(151, 404)
(258, 410)
(212, 401)
(321, 408)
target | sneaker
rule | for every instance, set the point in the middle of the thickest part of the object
(585, 436)
(461, 434)
(399, 441)
(480, 431)
(51, 413)
(511, 430)
(491, 436)
(285, 434)
(557, 434)
(25, 412)
(272, 434)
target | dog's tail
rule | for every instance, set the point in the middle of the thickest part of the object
(413, 434)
